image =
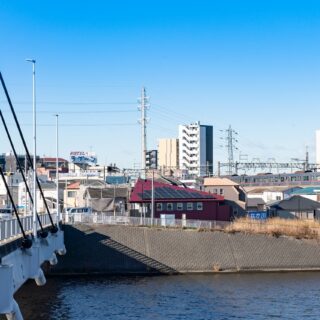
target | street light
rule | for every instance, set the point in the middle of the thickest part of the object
(57, 168)
(33, 61)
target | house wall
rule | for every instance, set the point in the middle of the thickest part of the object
(71, 201)
(211, 211)
(231, 195)
(267, 196)
(295, 215)
(228, 192)
(313, 197)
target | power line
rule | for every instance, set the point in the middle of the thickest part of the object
(171, 111)
(79, 112)
(80, 124)
(73, 102)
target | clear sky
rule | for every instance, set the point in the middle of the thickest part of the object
(254, 65)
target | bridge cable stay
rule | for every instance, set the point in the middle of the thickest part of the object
(43, 233)
(53, 228)
(26, 242)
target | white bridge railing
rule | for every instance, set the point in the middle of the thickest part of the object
(10, 229)
(101, 218)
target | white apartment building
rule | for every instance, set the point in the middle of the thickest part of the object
(196, 149)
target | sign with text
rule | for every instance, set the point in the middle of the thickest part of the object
(258, 215)
(83, 157)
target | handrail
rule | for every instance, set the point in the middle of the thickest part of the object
(9, 228)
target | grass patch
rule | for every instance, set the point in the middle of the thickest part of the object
(300, 229)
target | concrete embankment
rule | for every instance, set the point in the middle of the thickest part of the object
(94, 249)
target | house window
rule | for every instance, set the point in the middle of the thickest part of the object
(189, 206)
(179, 206)
(72, 194)
(221, 192)
(199, 206)
(159, 206)
(170, 206)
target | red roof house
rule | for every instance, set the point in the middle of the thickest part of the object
(180, 202)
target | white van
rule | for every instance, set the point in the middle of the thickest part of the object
(6, 213)
(77, 214)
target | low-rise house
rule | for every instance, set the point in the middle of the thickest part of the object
(13, 180)
(71, 195)
(48, 167)
(312, 193)
(232, 192)
(74, 192)
(107, 199)
(271, 193)
(295, 207)
(268, 194)
(256, 204)
(176, 202)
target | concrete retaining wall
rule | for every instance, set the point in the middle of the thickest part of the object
(124, 250)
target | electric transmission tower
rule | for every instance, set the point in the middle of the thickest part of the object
(144, 106)
(231, 145)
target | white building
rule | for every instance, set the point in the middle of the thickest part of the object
(196, 149)
(318, 147)
(13, 183)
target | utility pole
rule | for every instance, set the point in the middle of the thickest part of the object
(57, 169)
(152, 198)
(25, 188)
(144, 106)
(114, 200)
(307, 167)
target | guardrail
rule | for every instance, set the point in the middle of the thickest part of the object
(101, 218)
(9, 228)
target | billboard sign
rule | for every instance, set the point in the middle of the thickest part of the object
(82, 157)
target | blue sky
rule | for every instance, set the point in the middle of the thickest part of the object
(250, 64)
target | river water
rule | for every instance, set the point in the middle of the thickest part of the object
(195, 297)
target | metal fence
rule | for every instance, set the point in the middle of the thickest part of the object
(101, 218)
(273, 226)
(10, 229)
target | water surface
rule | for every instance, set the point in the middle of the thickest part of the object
(222, 296)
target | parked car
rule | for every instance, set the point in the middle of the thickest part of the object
(6, 213)
(76, 214)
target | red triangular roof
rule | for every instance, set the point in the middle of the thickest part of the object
(74, 185)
